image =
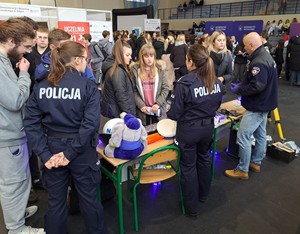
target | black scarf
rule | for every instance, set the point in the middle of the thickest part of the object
(217, 57)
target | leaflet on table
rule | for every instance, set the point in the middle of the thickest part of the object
(220, 119)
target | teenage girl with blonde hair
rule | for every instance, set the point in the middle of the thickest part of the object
(150, 86)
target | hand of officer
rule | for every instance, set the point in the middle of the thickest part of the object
(48, 164)
(221, 78)
(54, 161)
(63, 161)
(235, 88)
(60, 160)
(51, 163)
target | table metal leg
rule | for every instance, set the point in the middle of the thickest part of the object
(120, 197)
(117, 179)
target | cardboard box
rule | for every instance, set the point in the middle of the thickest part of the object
(280, 151)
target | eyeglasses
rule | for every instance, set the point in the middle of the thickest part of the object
(88, 60)
(28, 48)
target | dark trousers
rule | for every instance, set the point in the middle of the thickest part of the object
(98, 76)
(34, 167)
(238, 74)
(151, 119)
(180, 72)
(194, 141)
(86, 175)
(279, 68)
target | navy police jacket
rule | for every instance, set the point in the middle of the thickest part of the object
(191, 100)
(259, 90)
(71, 107)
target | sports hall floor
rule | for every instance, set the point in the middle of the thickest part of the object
(269, 202)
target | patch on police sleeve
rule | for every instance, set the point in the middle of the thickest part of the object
(255, 71)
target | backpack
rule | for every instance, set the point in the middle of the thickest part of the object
(102, 48)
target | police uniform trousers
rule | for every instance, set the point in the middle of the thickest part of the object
(85, 171)
(194, 140)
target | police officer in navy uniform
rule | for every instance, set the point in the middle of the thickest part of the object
(61, 120)
(259, 92)
(196, 98)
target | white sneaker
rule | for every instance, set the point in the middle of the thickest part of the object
(30, 210)
(30, 230)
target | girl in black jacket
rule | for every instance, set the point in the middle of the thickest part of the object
(177, 56)
(118, 93)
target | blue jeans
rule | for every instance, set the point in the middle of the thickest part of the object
(294, 77)
(252, 123)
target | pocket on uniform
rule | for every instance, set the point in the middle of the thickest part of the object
(95, 173)
(19, 168)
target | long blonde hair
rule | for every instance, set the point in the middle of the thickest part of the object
(150, 51)
(212, 40)
(180, 37)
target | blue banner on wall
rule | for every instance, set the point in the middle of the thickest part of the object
(236, 28)
(240, 28)
(225, 26)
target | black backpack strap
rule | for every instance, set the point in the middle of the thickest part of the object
(96, 44)
(102, 46)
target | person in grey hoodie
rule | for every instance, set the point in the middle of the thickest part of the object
(105, 43)
(16, 39)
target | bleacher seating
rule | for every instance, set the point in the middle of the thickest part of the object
(248, 8)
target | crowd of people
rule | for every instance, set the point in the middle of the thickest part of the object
(150, 76)
(279, 28)
(191, 4)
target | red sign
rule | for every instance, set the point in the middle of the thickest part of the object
(75, 29)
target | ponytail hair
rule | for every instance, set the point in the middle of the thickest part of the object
(61, 58)
(204, 65)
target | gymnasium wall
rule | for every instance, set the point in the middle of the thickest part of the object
(184, 24)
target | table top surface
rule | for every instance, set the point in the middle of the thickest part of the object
(234, 105)
(116, 161)
(231, 105)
